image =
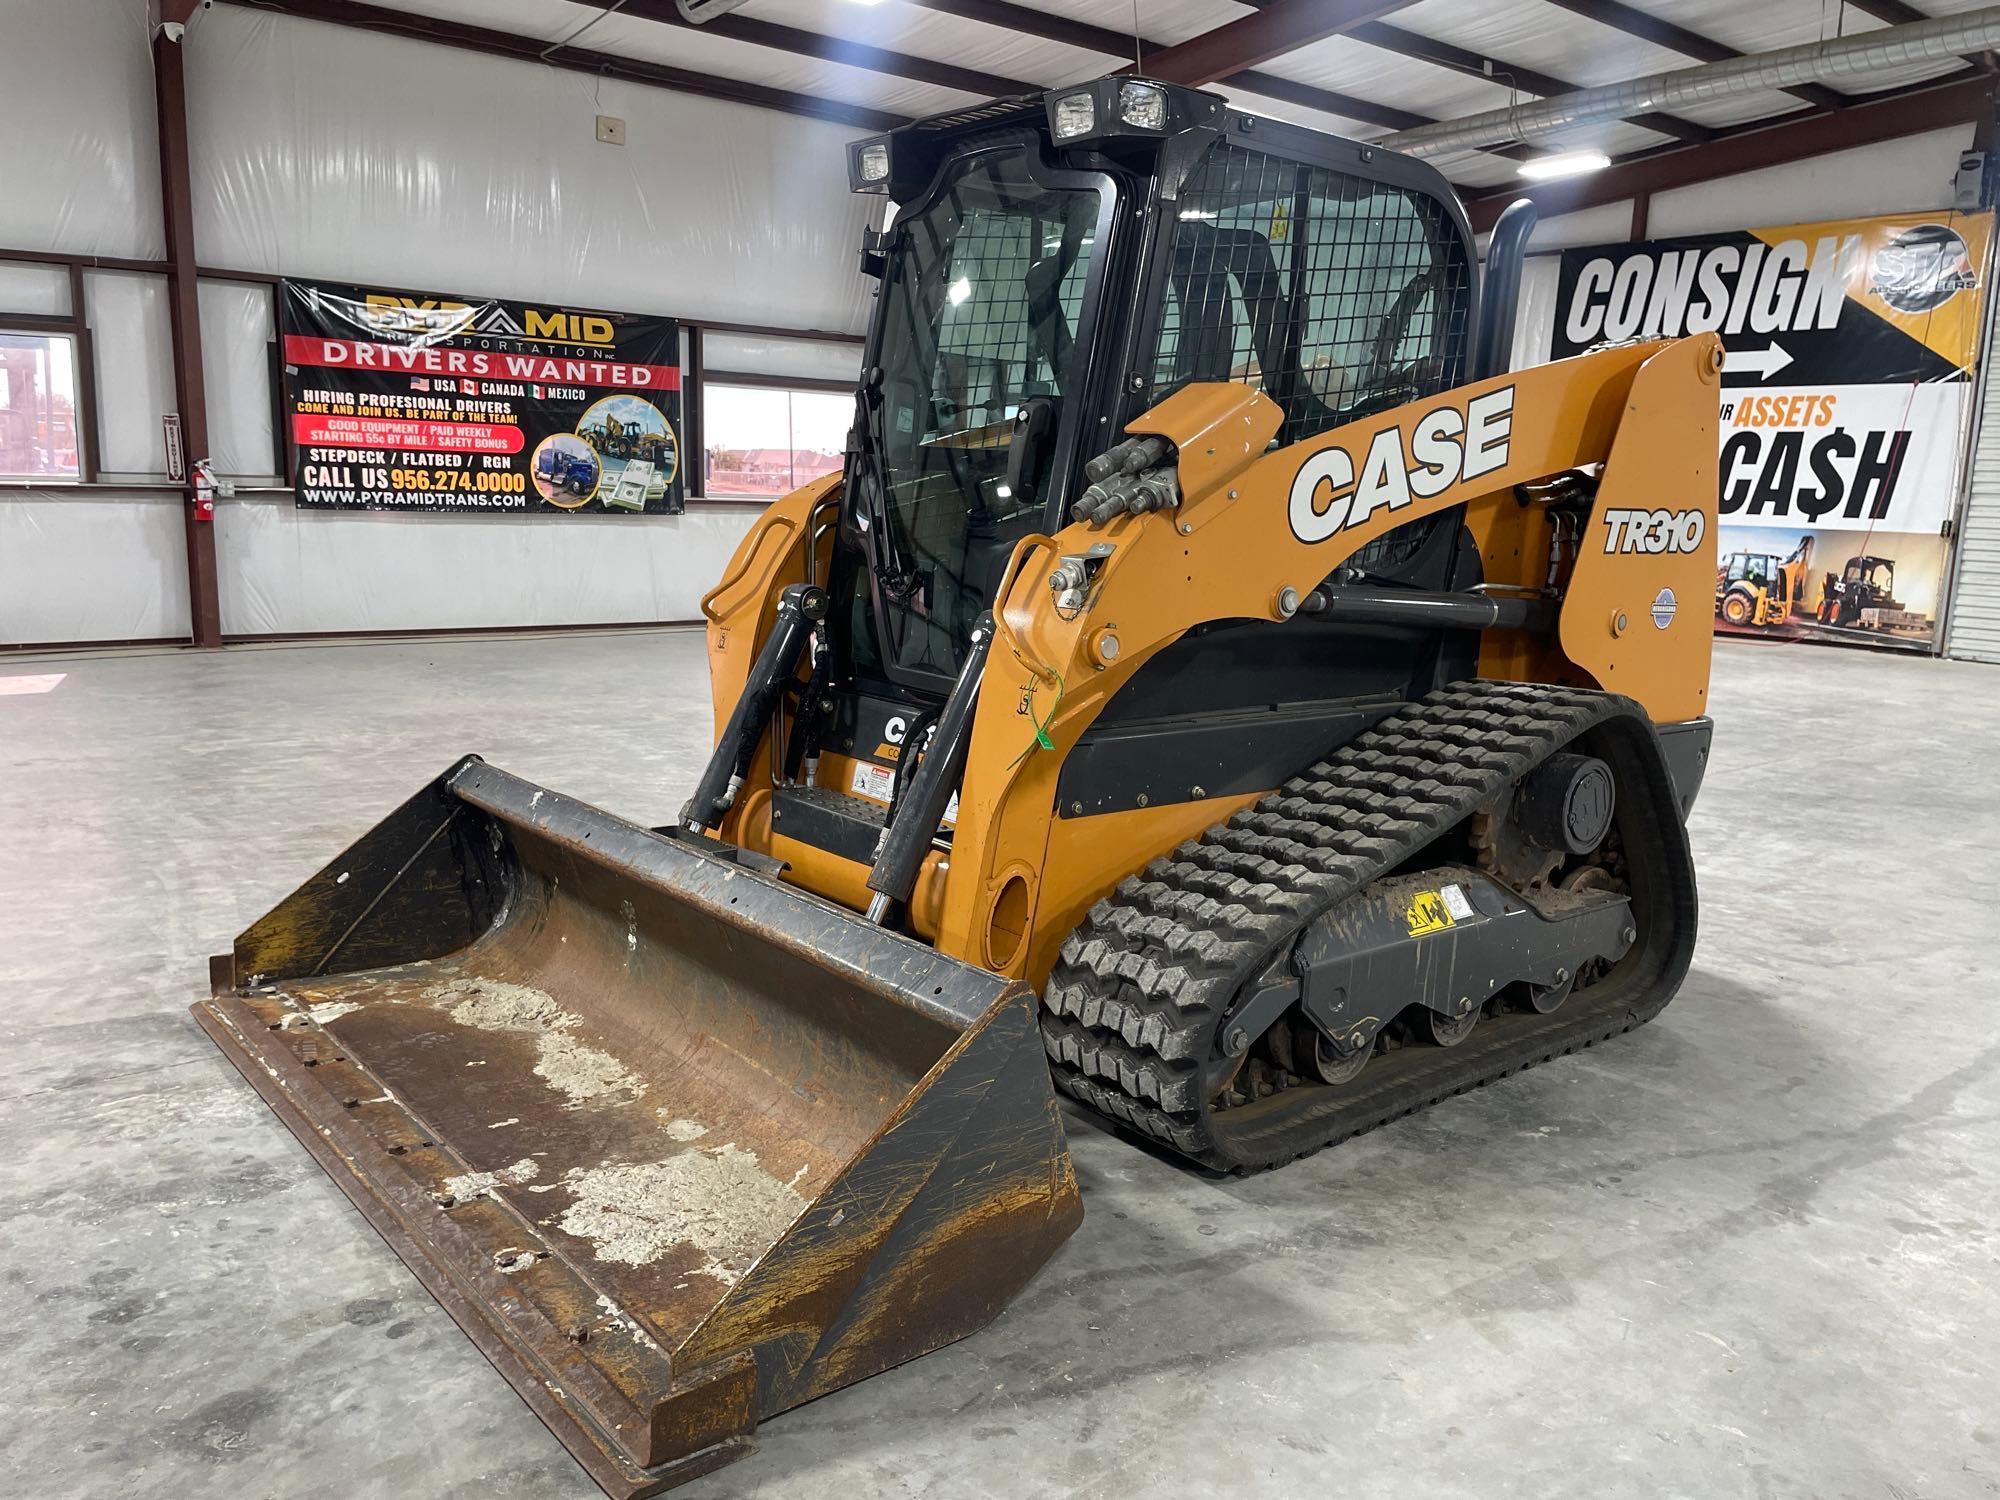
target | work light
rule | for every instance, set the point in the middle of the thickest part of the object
(1133, 110)
(1142, 106)
(1073, 115)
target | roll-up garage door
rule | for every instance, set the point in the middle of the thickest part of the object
(1973, 628)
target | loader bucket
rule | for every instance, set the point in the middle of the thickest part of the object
(677, 1145)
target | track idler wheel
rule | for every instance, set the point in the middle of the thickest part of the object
(1328, 1066)
(1302, 1049)
(1448, 1031)
(1546, 998)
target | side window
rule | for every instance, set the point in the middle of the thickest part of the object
(982, 354)
(1013, 292)
(1332, 294)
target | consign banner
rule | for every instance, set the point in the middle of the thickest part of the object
(400, 401)
(1846, 398)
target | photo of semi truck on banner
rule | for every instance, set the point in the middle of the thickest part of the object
(401, 401)
(1847, 397)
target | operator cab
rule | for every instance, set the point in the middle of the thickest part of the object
(1052, 266)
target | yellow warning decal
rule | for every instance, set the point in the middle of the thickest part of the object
(1428, 914)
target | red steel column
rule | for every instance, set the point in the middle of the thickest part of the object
(190, 396)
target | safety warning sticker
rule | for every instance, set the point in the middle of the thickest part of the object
(1428, 914)
(873, 781)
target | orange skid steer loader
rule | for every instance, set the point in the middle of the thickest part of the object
(1214, 692)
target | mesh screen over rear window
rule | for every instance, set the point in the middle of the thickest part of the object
(1333, 294)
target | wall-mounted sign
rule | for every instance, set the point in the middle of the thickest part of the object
(1846, 400)
(403, 402)
(170, 433)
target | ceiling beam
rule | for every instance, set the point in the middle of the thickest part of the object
(1311, 96)
(1931, 105)
(405, 24)
(738, 27)
(1281, 26)
(1043, 24)
(1506, 74)
(177, 12)
(1647, 27)
(1050, 27)
(1895, 12)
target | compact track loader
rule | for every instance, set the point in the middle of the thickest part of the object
(1215, 691)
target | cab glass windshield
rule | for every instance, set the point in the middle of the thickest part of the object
(985, 287)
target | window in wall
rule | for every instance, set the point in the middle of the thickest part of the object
(38, 416)
(764, 443)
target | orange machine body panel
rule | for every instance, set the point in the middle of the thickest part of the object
(1254, 528)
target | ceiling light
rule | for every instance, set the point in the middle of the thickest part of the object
(1568, 164)
(958, 291)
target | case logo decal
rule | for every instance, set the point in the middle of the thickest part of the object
(1441, 448)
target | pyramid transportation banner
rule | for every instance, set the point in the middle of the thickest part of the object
(406, 401)
(1846, 403)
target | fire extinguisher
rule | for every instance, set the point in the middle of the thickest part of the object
(204, 490)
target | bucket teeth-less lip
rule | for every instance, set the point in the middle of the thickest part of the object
(678, 1146)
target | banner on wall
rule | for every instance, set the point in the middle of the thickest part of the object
(397, 401)
(1846, 401)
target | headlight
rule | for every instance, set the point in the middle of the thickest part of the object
(1075, 115)
(1143, 106)
(869, 166)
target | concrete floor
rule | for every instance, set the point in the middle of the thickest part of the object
(1749, 1250)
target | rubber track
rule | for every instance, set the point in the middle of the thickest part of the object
(1132, 1005)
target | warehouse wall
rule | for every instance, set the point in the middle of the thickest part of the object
(82, 177)
(76, 112)
(323, 151)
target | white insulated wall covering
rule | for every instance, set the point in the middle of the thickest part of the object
(810, 359)
(1887, 177)
(131, 338)
(91, 567)
(80, 169)
(1535, 314)
(1602, 225)
(330, 152)
(236, 336)
(42, 290)
(286, 571)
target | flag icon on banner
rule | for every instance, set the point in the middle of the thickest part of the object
(541, 394)
(419, 383)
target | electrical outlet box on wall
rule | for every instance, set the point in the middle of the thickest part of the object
(611, 130)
